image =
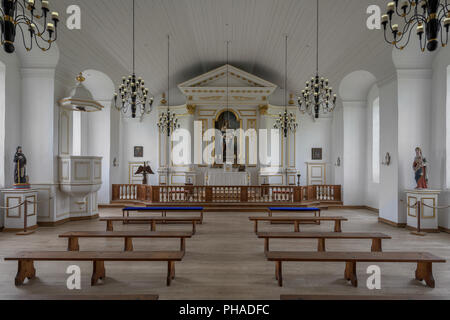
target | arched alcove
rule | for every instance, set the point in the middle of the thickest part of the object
(350, 140)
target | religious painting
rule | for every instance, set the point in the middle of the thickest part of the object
(227, 121)
(138, 152)
(316, 154)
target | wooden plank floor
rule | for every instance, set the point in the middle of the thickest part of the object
(225, 260)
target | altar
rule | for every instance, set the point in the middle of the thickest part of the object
(221, 178)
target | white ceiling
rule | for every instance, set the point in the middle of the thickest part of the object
(198, 35)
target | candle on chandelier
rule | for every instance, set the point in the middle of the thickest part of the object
(31, 4)
(420, 29)
(391, 7)
(395, 27)
(55, 15)
(45, 4)
(50, 27)
(384, 18)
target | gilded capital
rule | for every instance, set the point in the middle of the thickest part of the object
(191, 109)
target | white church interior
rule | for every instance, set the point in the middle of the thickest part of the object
(261, 148)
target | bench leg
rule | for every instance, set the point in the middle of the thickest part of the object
(376, 245)
(256, 226)
(279, 272)
(153, 225)
(296, 226)
(183, 244)
(317, 214)
(73, 244)
(201, 217)
(350, 273)
(25, 270)
(194, 229)
(98, 272)
(337, 226)
(109, 226)
(321, 245)
(424, 271)
(170, 272)
(266, 245)
(128, 244)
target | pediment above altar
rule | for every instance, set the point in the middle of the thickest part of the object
(212, 86)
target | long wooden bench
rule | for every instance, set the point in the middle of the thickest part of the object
(297, 220)
(151, 220)
(73, 243)
(285, 210)
(316, 297)
(423, 272)
(82, 297)
(322, 236)
(126, 211)
(26, 261)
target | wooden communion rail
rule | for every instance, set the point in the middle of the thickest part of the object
(225, 194)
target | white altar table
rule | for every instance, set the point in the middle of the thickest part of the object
(227, 179)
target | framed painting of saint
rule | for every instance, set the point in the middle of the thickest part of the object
(316, 154)
(138, 152)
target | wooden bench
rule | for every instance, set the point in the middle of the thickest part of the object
(316, 211)
(151, 220)
(26, 261)
(315, 297)
(423, 272)
(321, 236)
(297, 220)
(83, 297)
(73, 243)
(126, 211)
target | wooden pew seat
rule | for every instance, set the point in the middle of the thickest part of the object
(297, 220)
(126, 211)
(423, 272)
(151, 220)
(322, 236)
(26, 261)
(316, 297)
(73, 237)
(82, 297)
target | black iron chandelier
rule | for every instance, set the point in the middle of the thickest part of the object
(286, 121)
(23, 16)
(168, 121)
(133, 93)
(428, 18)
(317, 97)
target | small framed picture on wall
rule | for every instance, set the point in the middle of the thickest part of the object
(316, 154)
(138, 152)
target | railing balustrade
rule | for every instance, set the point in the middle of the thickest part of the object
(225, 194)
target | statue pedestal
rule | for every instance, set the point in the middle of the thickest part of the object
(428, 216)
(14, 218)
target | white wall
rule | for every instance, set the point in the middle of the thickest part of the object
(313, 134)
(137, 133)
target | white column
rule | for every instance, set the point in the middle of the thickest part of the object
(38, 116)
(38, 105)
(354, 124)
(99, 145)
(414, 125)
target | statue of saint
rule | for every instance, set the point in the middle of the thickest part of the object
(420, 170)
(20, 165)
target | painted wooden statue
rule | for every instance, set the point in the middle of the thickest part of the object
(420, 170)
(20, 169)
